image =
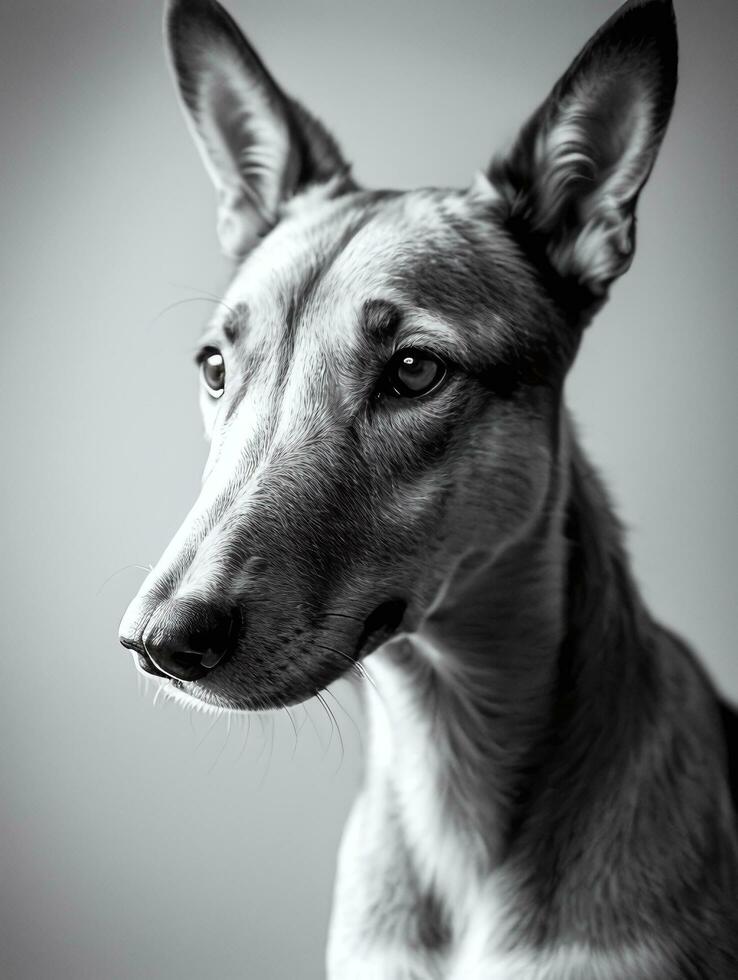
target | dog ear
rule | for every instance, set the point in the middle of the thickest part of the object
(259, 146)
(572, 180)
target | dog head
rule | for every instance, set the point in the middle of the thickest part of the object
(381, 385)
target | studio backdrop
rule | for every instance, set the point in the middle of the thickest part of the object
(137, 841)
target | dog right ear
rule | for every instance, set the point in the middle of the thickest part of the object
(572, 179)
(259, 146)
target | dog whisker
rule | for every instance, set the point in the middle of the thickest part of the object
(247, 732)
(119, 571)
(337, 615)
(309, 717)
(182, 302)
(294, 729)
(357, 729)
(210, 728)
(219, 755)
(356, 668)
(334, 722)
(268, 758)
(205, 294)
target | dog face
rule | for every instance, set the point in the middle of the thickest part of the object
(381, 386)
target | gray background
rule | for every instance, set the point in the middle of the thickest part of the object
(140, 842)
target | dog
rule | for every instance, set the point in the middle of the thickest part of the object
(394, 484)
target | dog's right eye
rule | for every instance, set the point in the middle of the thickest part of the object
(212, 371)
(412, 373)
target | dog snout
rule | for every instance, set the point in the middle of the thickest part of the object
(185, 639)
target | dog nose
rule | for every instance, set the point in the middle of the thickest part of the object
(185, 639)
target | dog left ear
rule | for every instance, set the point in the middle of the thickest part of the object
(572, 179)
(259, 146)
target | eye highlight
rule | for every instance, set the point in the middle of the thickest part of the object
(212, 371)
(413, 372)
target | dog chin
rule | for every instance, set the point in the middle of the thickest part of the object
(191, 694)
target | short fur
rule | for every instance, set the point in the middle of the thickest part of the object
(550, 790)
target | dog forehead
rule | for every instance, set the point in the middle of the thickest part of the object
(280, 280)
(314, 274)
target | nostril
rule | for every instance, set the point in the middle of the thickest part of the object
(215, 641)
(188, 642)
(132, 625)
(131, 644)
(147, 666)
(183, 665)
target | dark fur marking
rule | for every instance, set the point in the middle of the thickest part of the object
(380, 320)
(231, 331)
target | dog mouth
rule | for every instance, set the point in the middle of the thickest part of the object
(380, 625)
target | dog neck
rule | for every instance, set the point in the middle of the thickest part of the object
(501, 690)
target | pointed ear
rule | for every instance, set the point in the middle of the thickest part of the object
(572, 179)
(259, 146)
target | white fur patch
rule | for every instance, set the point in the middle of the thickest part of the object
(571, 961)
(449, 859)
(483, 190)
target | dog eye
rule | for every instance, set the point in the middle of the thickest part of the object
(212, 370)
(413, 372)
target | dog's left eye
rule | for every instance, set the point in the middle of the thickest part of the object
(212, 370)
(413, 372)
